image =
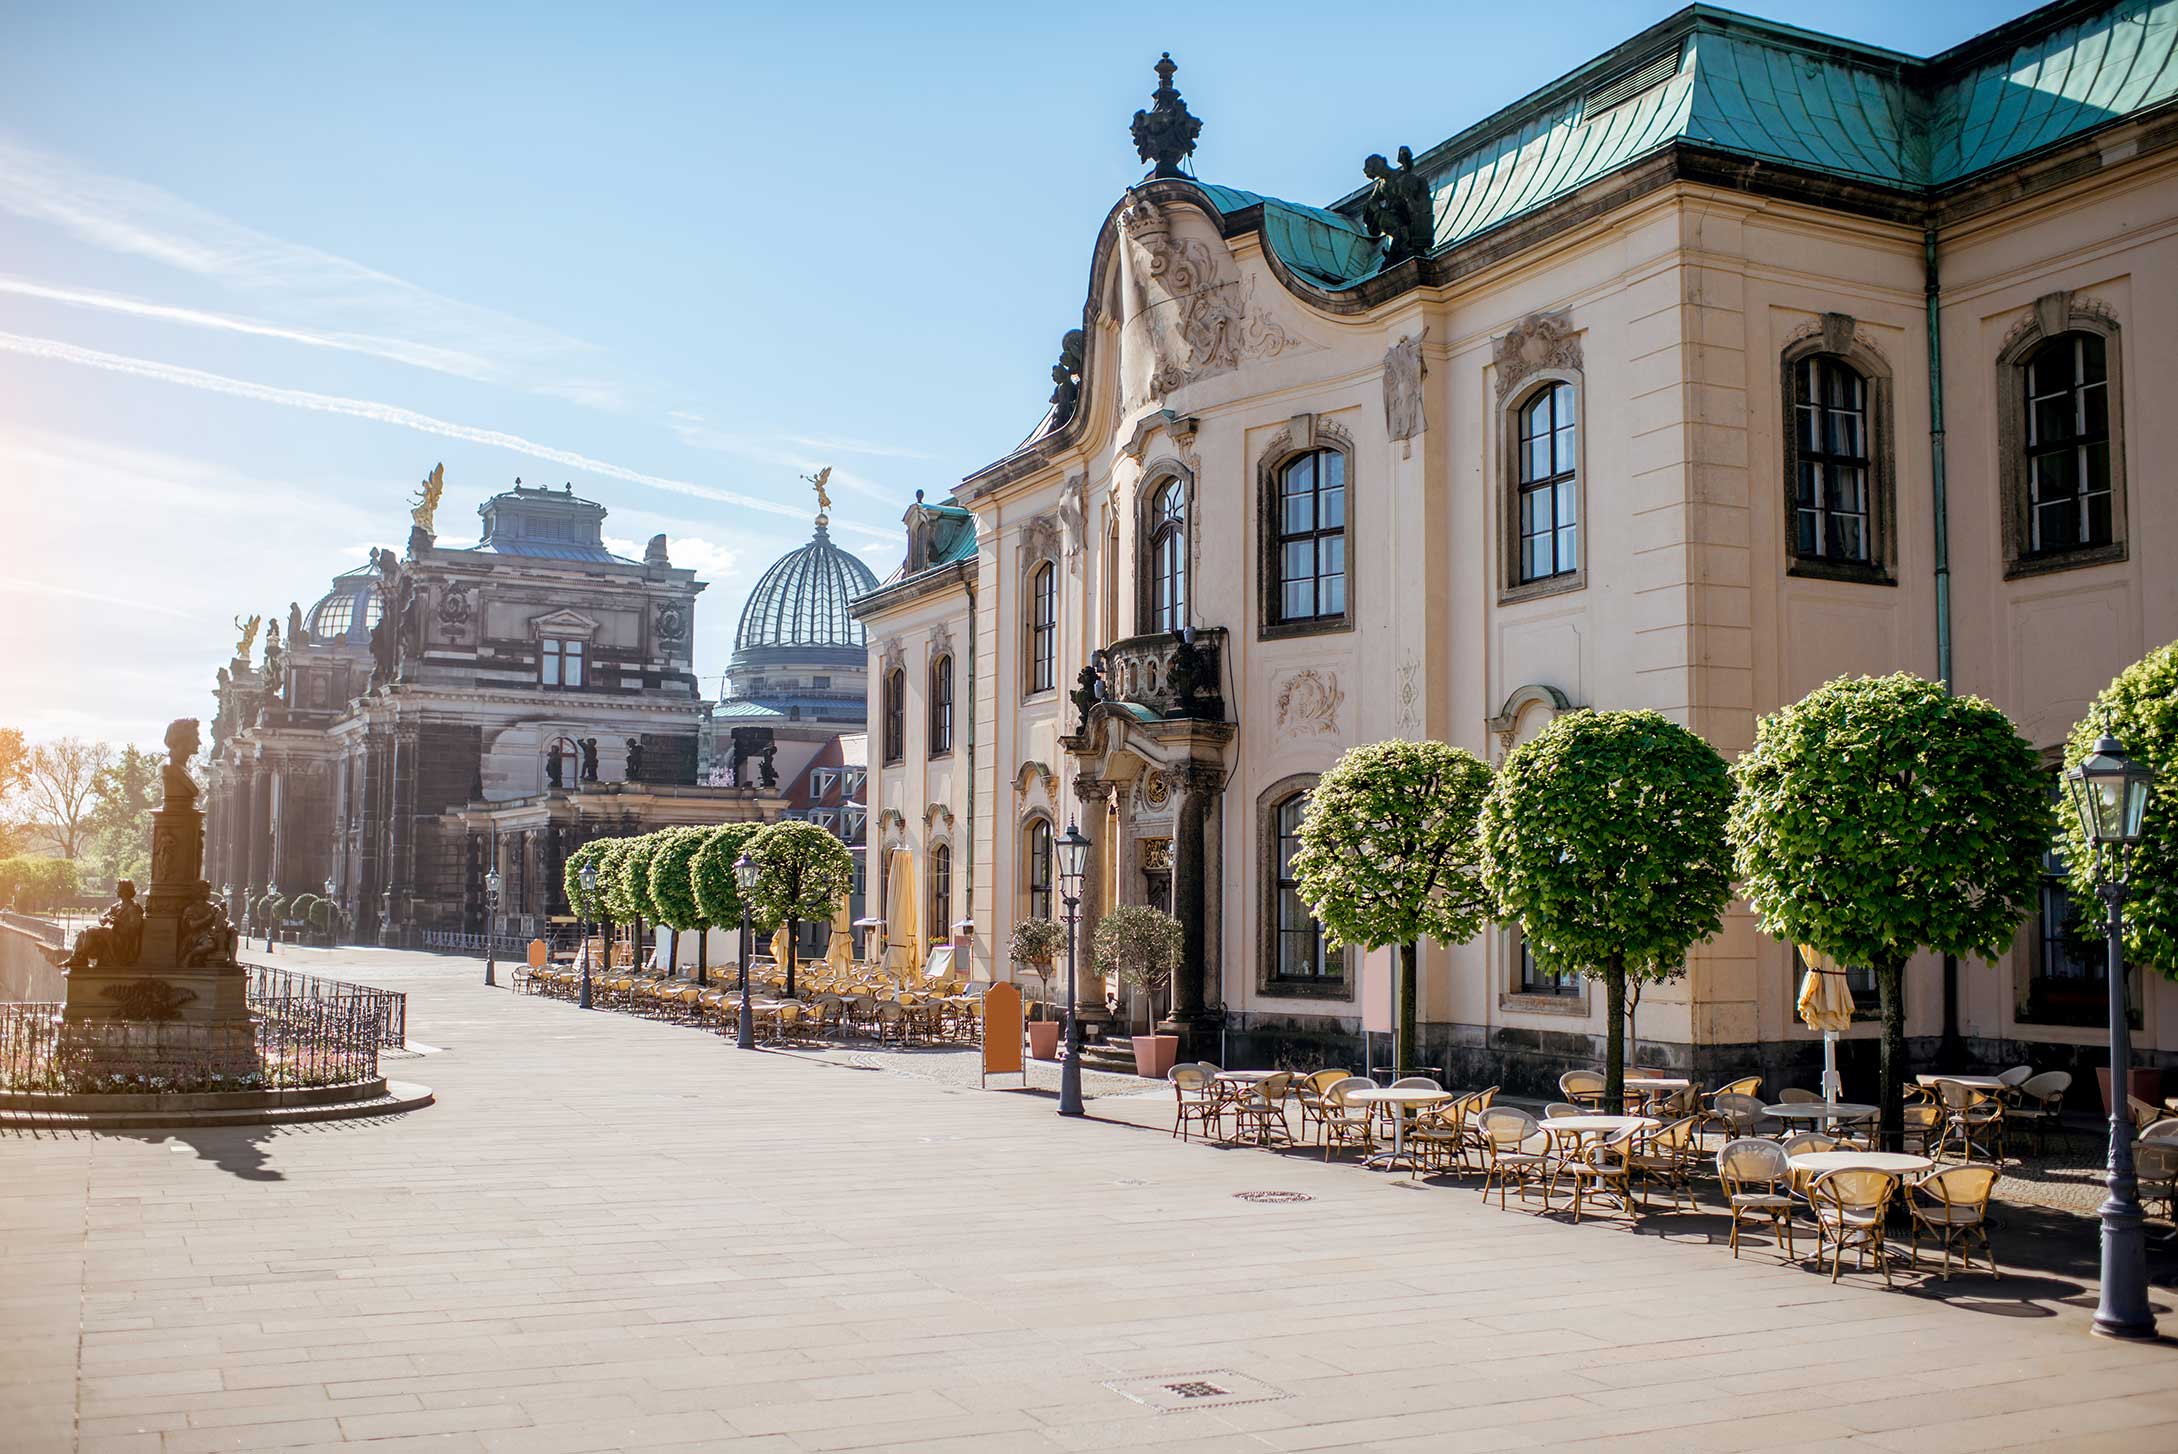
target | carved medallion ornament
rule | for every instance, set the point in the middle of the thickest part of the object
(672, 621)
(1218, 323)
(1403, 370)
(1155, 790)
(1156, 854)
(454, 613)
(1308, 704)
(1539, 341)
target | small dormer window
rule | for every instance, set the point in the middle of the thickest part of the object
(560, 662)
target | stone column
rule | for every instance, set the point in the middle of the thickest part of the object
(371, 839)
(258, 832)
(401, 836)
(1096, 796)
(279, 808)
(1197, 783)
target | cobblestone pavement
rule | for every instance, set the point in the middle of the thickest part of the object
(612, 1233)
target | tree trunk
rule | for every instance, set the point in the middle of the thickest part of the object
(1403, 1056)
(1614, 1040)
(605, 936)
(1890, 1096)
(793, 934)
(703, 955)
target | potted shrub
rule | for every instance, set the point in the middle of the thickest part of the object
(1141, 945)
(1035, 948)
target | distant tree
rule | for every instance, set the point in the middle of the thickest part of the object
(803, 874)
(60, 788)
(628, 892)
(117, 830)
(673, 888)
(1880, 816)
(14, 767)
(2140, 709)
(1139, 944)
(35, 884)
(1035, 946)
(711, 873)
(1605, 838)
(1388, 856)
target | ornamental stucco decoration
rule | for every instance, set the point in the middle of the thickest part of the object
(1308, 703)
(1071, 517)
(941, 640)
(1538, 341)
(891, 655)
(1218, 324)
(1033, 771)
(672, 621)
(1403, 370)
(1040, 539)
(2055, 313)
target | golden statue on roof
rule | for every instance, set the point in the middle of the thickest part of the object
(249, 635)
(817, 482)
(426, 503)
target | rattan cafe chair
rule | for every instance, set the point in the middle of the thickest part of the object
(1754, 1175)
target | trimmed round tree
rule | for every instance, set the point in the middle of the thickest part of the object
(1139, 944)
(673, 889)
(2140, 709)
(711, 872)
(1880, 816)
(1388, 856)
(607, 863)
(571, 878)
(1605, 838)
(803, 872)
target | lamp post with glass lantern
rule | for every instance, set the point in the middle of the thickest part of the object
(491, 927)
(1073, 855)
(745, 876)
(2110, 793)
(332, 927)
(588, 876)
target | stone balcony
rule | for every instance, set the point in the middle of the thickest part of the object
(1167, 677)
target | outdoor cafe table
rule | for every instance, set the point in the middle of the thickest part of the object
(1976, 1082)
(1234, 1083)
(1401, 1099)
(1582, 1127)
(1820, 1111)
(1897, 1163)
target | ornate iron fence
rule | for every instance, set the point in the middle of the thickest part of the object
(385, 1012)
(508, 944)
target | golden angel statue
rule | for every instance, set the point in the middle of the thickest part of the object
(427, 499)
(249, 635)
(817, 482)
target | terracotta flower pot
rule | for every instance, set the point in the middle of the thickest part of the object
(1044, 1039)
(1154, 1054)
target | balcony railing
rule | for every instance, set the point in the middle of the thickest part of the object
(1170, 675)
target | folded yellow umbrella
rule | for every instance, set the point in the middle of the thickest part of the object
(1826, 1004)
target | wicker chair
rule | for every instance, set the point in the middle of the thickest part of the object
(1804, 1143)
(1261, 1108)
(1754, 1174)
(1746, 1085)
(1441, 1135)
(2145, 1113)
(1195, 1102)
(1556, 1109)
(1309, 1092)
(1793, 1095)
(1739, 1114)
(1582, 1087)
(1951, 1203)
(1924, 1127)
(2156, 1164)
(1343, 1121)
(2163, 1130)
(1850, 1205)
(1599, 1169)
(1668, 1156)
(1516, 1153)
(1971, 1118)
(2040, 1104)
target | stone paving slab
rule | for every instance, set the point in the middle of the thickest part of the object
(611, 1233)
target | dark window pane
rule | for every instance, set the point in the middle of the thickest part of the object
(2095, 411)
(1333, 508)
(1334, 596)
(2098, 520)
(2093, 368)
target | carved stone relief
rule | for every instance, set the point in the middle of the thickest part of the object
(891, 655)
(1040, 539)
(1308, 703)
(1214, 322)
(1071, 518)
(941, 640)
(1538, 341)
(1403, 370)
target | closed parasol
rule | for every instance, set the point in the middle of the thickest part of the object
(903, 938)
(839, 953)
(1826, 1004)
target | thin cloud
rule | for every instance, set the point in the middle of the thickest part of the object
(769, 451)
(322, 292)
(855, 446)
(57, 352)
(16, 585)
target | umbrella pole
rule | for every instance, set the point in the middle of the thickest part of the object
(1830, 1067)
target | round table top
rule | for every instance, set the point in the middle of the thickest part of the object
(1818, 1110)
(1403, 1095)
(1896, 1162)
(1658, 1082)
(1978, 1082)
(1601, 1123)
(1246, 1077)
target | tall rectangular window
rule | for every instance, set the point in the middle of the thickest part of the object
(1309, 545)
(1830, 485)
(941, 706)
(2068, 445)
(1043, 631)
(1039, 868)
(560, 662)
(1535, 980)
(1301, 950)
(1549, 496)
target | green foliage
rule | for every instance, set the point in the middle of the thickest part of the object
(1036, 942)
(627, 892)
(2140, 709)
(299, 907)
(672, 885)
(321, 916)
(1388, 852)
(117, 830)
(1141, 945)
(1878, 816)
(711, 873)
(804, 872)
(1605, 838)
(592, 852)
(31, 884)
(268, 909)
(607, 863)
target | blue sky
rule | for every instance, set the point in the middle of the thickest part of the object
(262, 266)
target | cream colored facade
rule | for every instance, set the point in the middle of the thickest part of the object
(1673, 296)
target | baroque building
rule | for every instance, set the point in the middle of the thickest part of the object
(1735, 360)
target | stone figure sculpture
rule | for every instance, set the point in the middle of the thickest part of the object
(767, 766)
(634, 773)
(1066, 377)
(182, 742)
(296, 634)
(555, 761)
(1165, 134)
(1088, 690)
(117, 938)
(589, 758)
(1399, 208)
(425, 507)
(272, 677)
(207, 939)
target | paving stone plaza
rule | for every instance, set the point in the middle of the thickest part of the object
(613, 1233)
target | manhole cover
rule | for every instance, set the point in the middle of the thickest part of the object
(1169, 1393)
(1272, 1196)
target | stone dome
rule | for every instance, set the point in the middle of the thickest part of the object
(800, 603)
(349, 610)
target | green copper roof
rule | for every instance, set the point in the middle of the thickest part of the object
(1771, 93)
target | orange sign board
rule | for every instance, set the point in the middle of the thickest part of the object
(1002, 1032)
(536, 954)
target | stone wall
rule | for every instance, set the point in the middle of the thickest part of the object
(26, 975)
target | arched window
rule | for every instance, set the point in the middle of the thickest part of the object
(1299, 952)
(1039, 876)
(895, 715)
(2067, 445)
(1308, 544)
(1831, 516)
(1167, 557)
(1043, 628)
(1549, 497)
(941, 705)
(941, 893)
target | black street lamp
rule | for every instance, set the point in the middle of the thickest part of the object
(332, 926)
(1073, 854)
(745, 876)
(491, 927)
(2110, 793)
(588, 877)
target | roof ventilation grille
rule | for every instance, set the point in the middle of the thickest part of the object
(1628, 84)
